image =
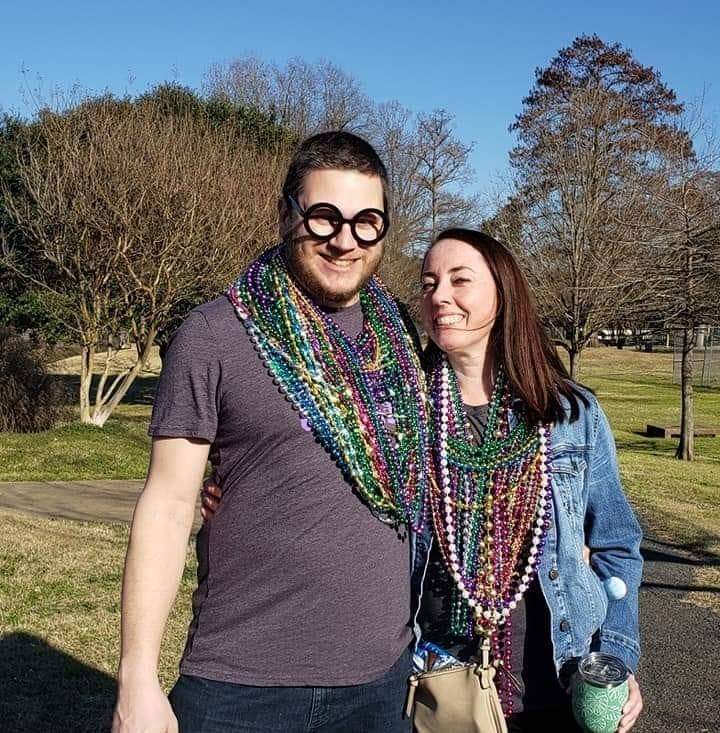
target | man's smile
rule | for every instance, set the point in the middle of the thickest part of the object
(338, 264)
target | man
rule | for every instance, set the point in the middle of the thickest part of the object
(301, 387)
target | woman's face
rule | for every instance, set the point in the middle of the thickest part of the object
(459, 297)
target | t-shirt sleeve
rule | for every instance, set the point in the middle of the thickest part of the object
(186, 401)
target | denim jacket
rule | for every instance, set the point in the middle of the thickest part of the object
(588, 508)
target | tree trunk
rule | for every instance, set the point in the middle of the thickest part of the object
(87, 362)
(574, 355)
(121, 385)
(103, 411)
(686, 447)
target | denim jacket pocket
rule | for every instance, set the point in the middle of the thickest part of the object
(567, 476)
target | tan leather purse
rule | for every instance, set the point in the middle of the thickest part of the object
(456, 700)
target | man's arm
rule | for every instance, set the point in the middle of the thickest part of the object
(153, 567)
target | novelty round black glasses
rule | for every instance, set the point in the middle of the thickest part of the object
(325, 221)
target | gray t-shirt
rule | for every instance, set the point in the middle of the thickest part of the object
(298, 583)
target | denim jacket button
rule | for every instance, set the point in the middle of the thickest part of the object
(564, 625)
(553, 574)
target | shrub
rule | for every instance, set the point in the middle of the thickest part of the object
(30, 399)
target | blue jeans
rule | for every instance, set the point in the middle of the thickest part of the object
(207, 706)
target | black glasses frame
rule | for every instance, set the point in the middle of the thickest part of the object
(306, 215)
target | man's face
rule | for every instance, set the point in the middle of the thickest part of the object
(334, 271)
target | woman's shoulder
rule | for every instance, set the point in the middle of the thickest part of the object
(582, 416)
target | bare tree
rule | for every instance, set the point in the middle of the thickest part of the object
(391, 131)
(444, 164)
(246, 81)
(132, 211)
(426, 161)
(683, 231)
(343, 104)
(301, 96)
(593, 123)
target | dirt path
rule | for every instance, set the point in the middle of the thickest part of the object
(87, 501)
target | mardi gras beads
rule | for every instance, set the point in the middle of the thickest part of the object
(364, 399)
(490, 510)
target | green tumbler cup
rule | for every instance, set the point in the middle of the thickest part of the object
(600, 692)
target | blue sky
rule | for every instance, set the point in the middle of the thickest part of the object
(476, 59)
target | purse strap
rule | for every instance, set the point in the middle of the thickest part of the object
(489, 671)
(484, 655)
(484, 670)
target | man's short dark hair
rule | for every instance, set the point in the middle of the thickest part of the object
(335, 150)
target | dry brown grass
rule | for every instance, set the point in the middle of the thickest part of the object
(60, 620)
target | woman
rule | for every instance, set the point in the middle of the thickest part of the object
(526, 476)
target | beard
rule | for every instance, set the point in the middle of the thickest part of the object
(320, 293)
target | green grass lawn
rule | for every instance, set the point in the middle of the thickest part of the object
(74, 451)
(119, 450)
(680, 501)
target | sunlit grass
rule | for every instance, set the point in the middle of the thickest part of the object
(60, 622)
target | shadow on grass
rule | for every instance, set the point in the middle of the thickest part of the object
(683, 588)
(661, 447)
(141, 391)
(677, 539)
(677, 552)
(710, 561)
(650, 446)
(45, 689)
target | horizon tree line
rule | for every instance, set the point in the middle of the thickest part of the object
(122, 214)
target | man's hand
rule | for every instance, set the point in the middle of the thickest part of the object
(143, 708)
(632, 708)
(211, 495)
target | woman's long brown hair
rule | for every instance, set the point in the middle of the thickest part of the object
(518, 339)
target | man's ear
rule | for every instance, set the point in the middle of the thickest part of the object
(284, 223)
